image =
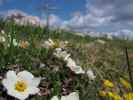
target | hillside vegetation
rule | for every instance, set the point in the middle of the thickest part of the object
(106, 58)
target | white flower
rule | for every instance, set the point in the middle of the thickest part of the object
(21, 85)
(2, 39)
(75, 68)
(55, 98)
(3, 32)
(100, 41)
(72, 96)
(49, 43)
(63, 44)
(42, 65)
(90, 74)
(61, 54)
(15, 43)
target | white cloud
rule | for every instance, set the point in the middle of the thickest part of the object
(55, 21)
(103, 15)
(87, 22)
(13, 12)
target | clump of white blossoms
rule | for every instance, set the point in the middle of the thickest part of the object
(74, 67)
(21, 85)
(61, 54)
(72, 96)
(90, 74)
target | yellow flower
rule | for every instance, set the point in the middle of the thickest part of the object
(117, 97)
(102, 93)
(114, 96)
(128, 96)
(125, 83)
(108, 83)
(110, 94)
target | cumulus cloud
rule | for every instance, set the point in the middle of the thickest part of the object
(13, 12)
(55, 21)
(92, 20)
(87, 22)
(103, 15)
(119, 9)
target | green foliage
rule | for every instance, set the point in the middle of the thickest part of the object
(107, 60)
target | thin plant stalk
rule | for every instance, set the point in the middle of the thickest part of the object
(129, 68)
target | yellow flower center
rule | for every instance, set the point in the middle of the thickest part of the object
(20, 86)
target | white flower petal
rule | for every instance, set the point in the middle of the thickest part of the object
(72, 96)
(67, 56)
(48, 44)
(15, 43)
(78, 70)
(70, 62)
(33, 90)
(35, 82)
(55, 98)
(72, 65)
(61, 54)
(90, 74)
(2, 39)
(32, 86)
(10, 80)
(51, 41)
(18, 95)
(3, 32)
(25, 75)
(8, 84)
(11, 75)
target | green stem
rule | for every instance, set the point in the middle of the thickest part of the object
(129, 68)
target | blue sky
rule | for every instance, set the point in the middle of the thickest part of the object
(92, 15)
(65, 8)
